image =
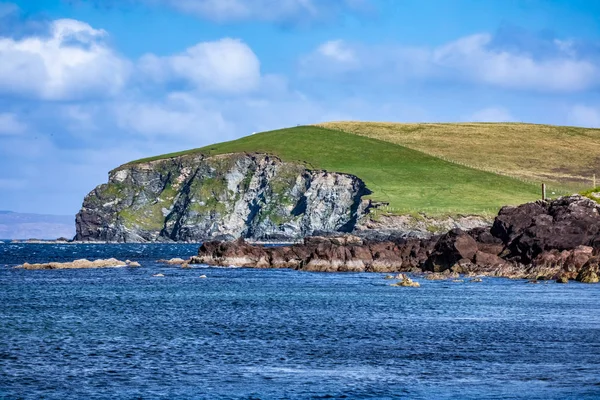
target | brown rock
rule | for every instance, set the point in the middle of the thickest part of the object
(77, 264)
(450, 248)
(561, 224)
(487, 260)
(589, 272)
(406, 282)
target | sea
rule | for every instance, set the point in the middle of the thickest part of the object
(121, 333)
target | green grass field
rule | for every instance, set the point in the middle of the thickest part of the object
(409, 180)
(562, 156)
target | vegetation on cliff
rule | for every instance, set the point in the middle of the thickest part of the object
(409, 180)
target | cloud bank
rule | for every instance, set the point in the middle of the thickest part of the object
(472, 59)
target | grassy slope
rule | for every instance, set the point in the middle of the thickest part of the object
(564, 157)
(409, 180)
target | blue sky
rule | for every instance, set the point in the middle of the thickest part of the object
(88, 85)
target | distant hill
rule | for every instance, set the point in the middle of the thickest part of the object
(410, 180)
(39, 226)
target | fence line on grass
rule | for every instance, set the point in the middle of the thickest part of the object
(482, 168)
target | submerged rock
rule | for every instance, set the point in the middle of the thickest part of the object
(174, 261)
(133, 263)
(406, 282)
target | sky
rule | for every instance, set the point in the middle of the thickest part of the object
(86, 86)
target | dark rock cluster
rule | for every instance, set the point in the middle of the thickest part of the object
(558, 239)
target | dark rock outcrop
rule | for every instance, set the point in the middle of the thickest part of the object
(324, 254)
(534, 228)
(557, 239)
(450, 248)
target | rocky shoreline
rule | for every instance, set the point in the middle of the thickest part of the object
(544, 240)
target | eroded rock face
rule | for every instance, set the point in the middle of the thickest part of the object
(197, 198)
(521, 245)
(323, 254)
(450, 248)
(563, 224)
(590, 272)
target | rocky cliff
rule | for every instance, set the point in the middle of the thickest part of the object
(197, 197)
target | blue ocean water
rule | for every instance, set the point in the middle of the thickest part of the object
(280, 334)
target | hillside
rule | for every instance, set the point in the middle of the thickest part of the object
(409, 180)
(564, 157)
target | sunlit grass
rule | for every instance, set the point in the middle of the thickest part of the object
(564, 157)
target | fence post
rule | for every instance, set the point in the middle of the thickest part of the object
(543, 191)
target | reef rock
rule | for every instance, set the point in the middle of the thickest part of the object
(77, 264)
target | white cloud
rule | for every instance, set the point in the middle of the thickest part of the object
(585, 116)
(472, 58)
(226, 65)
(339, 51)
(468, 59)
(265, 10)
(492, 114)
(179, 115)
(72, 62)
(11, 125)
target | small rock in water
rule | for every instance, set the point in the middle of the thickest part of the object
(406, 282)
(476, 280)
(534, 281)
(174, 261)
(436, 276)
(133, 263)
(159, 275)
(81, 263)
(562, 279)
(400, 277)
(389, 277)
(202, 276)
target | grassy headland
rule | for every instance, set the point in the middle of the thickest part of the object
(409, 180)
(564, 157)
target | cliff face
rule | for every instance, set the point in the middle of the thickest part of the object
(193, 198)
